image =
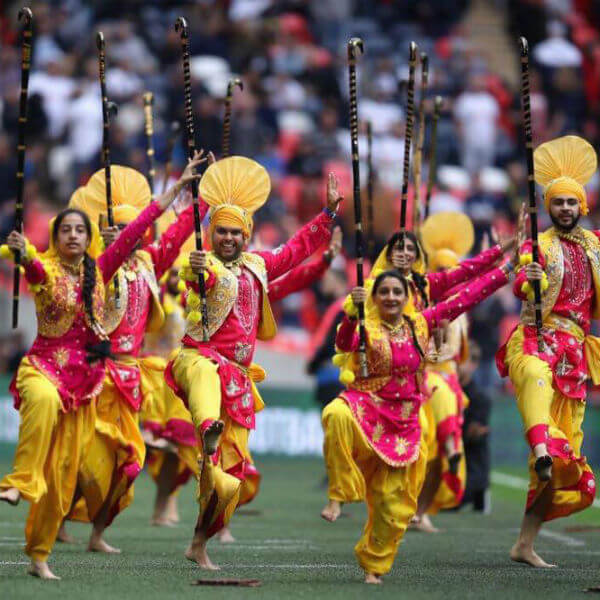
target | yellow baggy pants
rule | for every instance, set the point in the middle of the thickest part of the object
(356, 473)
(49, 452)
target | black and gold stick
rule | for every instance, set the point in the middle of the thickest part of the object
(533, 210)
(370, 186)
(355, 47)
(181, 27)
(410, 113)
(418, 157)
(26, 16)
(149, 131)
(235, 82)
(437, 108)
(109, 109)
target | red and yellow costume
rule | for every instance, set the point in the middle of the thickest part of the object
(550, 386)
(217, 378)
(56, 388)
(374, 447)
(132, 380)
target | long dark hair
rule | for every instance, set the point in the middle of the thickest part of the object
(89, 264)
(420, 280)
(397, 275)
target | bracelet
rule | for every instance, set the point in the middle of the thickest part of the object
(330, 213)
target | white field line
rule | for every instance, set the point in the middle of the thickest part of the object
(13, 562)
(519, 483)
(291, 566)
(561, 537)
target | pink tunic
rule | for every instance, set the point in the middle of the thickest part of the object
(389, 417)
(63, 360)
(563, 351)
(234, 342)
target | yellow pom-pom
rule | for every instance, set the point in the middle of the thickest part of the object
(181, 286)
(349, 307)
(338, 360)
(347, 377)
(525, 259)
(193, 300)
(5, 252)
(194, 317)
(527, 288)
(35, 288)
(30, 251)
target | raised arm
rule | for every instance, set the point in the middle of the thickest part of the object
(299, 278)
(467, 297)
(35, 273)
(302, 244)
(164, 252)
(466, 270)
(346, 338)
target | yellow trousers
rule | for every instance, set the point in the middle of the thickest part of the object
(356, 473)
(223, 482)
(118, 451)
(51, 447)
(542, 405)
(441, 405)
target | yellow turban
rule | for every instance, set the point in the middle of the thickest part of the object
(563, 166)
(234, 188)
(446, 237)
(130, 194)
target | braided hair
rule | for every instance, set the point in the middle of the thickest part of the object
(397, 275)
(420, 280)
(89, 264)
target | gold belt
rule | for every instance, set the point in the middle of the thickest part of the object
(555, 321)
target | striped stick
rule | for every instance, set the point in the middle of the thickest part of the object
(370, 186)
(437, 108)
(533, 209)
(355, 47)
(418, 158)
(26, 16)
(181, 27)
(235, 82)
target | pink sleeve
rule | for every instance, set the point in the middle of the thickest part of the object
(346, 338)
(299, 278)
(209, 282)
(441, 282)
(114, 256)
(165, 251)
(35, 272)
(470, 295)
(304, 243)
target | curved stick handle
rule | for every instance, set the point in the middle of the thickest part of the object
(234, 82)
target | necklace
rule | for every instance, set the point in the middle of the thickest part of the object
(394, 330)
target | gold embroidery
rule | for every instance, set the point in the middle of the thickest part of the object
(402, 445)
(407, 408)
(377, 432)
(61, 357)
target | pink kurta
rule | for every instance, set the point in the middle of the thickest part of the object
(64, 360)
(563, 351)
(389, 416)
(234, 342)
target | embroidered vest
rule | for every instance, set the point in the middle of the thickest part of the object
(221, 297)
(551, 249)
(56, 301)
(143, 266)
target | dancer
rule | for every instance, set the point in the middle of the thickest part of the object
(118, 451)
(216, 378)
(58, 381)
(446, 237)
(550, 386)
(373, 435)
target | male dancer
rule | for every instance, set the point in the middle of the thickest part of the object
(216, 377)
(550, 384)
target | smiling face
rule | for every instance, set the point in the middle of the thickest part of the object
(403, 256)
(71, 237)
(390, 299)
(564, 212)
(227, 242)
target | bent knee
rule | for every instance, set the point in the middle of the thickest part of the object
(532, 368)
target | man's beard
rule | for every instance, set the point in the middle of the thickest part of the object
(235, 256)
(560, 227)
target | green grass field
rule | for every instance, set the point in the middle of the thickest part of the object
(298, 555)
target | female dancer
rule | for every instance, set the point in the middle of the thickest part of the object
(373, 448)
(59, 379)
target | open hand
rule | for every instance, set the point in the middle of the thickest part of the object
(333, 196)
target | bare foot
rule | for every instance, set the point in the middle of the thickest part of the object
(522, 554)
(97, 544)
(161, 522)
(210, 437)
(423, 524)
(64, 537)
(11, 495)
(197, 553)
(39, 568)
(373, 579)
(225, 536)
(172, 513)
(332, 511)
